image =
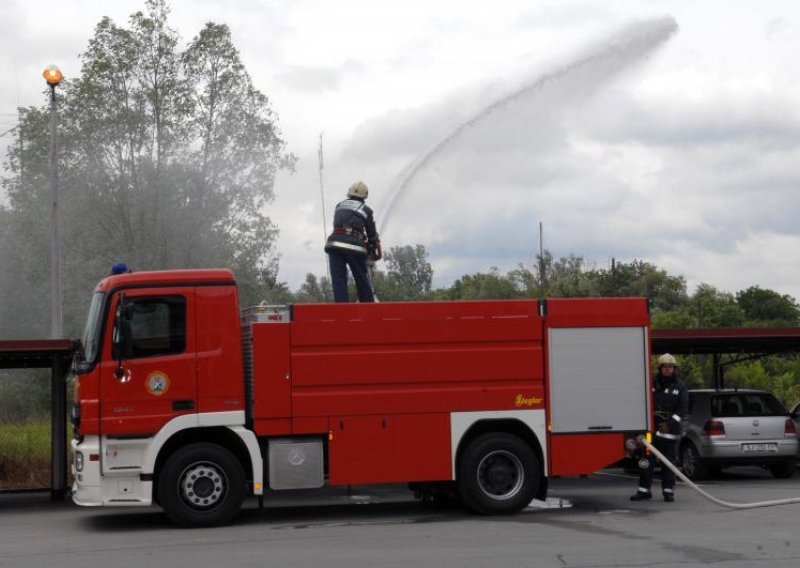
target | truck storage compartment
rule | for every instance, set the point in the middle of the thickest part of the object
(295, 463)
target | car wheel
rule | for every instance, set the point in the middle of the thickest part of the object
(498, 474)
(201, 485)
(693, 466)
(782, 470)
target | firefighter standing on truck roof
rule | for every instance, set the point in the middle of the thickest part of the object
(354, 239)
(671, 400)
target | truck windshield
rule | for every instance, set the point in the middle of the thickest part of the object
(91, 333)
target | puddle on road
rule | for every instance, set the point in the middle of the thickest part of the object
(360, 499)
(550, 503)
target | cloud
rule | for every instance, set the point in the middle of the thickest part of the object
(761, 258)
(312, 79)
(777, 28)
(611, 170)
(563, 15)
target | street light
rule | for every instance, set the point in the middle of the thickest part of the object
(53, 77)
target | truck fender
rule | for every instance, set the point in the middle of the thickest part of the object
(230, 420)
(462, 422)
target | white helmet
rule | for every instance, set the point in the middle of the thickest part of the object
(358, 189)
(667, 360)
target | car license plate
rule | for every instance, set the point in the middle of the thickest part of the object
(759, 448)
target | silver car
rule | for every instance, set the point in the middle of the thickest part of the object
(737, 427)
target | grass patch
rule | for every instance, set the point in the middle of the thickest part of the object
(25, 455)
(25, 440)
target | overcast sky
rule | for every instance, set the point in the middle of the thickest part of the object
(624, 136)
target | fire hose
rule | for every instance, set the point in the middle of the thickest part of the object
(686, 480)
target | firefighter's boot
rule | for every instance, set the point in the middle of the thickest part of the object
(642, 495)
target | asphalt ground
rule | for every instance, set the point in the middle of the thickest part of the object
(585, 523)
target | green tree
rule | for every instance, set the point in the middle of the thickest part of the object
(567, 277)
(755, 374)
(167, 160)
(480, 286)
(314, 290)
(676, 319)
(408, 275)
(716, 309)
(639, 278)
(767, 308)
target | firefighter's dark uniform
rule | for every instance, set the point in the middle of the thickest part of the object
(671, 401)
(353, 236)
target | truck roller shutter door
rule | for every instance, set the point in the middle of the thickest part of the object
(598, 379)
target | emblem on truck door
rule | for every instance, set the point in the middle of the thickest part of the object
(157, 383)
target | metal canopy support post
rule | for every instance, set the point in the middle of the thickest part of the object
(58, 486)
(719, 381)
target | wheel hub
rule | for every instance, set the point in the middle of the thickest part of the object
(202, 485)
(500, 475)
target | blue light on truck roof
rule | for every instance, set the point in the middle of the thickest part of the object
(119, 268)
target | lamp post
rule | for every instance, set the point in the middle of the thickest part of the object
(53, 77)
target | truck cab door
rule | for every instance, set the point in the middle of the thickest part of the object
(149, 373)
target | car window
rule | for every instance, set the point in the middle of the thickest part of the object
(746, 404)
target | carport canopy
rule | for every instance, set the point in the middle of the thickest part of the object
(34, 353)
(741, 343)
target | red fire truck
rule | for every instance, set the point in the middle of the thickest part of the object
(182, 401)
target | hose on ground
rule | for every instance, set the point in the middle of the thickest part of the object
(686, 480)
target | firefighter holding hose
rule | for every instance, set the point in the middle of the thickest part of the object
(671, 401)
(353, 242)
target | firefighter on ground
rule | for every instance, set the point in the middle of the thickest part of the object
(353, 242)
(671, 401)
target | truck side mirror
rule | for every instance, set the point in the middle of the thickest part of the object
(120, 337)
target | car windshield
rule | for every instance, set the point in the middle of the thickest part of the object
(91, 332)
(746, 404)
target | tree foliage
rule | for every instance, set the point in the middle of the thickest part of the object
(408, 275)
(768, 308)
(314, 290)
(167, 160)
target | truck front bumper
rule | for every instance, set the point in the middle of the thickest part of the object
(94, 488)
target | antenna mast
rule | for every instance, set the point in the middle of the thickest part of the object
(542, 283)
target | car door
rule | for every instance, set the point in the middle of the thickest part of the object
(151, 374)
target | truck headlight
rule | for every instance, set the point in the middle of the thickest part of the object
(79, 461)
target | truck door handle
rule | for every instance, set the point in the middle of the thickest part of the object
(182, 405)
(600, 427)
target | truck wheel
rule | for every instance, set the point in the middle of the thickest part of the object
(693, 465)
(782, 470)
(201, 485)
(498, 474)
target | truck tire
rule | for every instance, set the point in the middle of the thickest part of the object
(201, 485)
(693, 465)
(498, 473)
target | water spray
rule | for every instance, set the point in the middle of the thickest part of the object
(324, 217)
(625, 47)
